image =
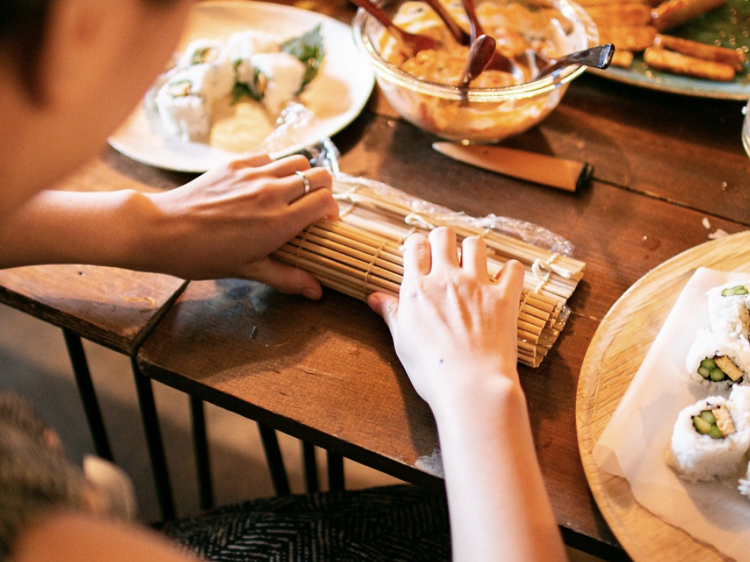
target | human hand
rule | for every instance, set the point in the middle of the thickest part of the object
(454, 328)
(226, 222)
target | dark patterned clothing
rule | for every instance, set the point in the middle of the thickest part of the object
(393, 524)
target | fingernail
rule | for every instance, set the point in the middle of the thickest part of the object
(312, 294)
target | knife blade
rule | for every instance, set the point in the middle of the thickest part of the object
(552, 171)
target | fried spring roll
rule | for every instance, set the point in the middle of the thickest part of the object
(623, 59)
(620, 14)
(676, 12)
(677, 63)
(732, 57)
(634, 38)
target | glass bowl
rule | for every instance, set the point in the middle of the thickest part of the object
(479, 115)
(746, 129)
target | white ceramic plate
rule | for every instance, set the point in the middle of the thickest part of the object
(336, 96)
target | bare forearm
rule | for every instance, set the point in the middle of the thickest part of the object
(68, 537)
(71, 227)
(498, 504)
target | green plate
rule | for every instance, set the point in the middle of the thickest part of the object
(728, 26)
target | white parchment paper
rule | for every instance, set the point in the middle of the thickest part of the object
(634, 443)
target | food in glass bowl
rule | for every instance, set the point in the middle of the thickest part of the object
(497, 104)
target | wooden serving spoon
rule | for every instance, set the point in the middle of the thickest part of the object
(481, 53)
(459, 34)
(498, 61)
(410, 43)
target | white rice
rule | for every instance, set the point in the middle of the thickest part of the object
(744, 484)
(729, 315)
(698, 457)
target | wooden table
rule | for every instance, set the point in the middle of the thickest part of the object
(326, 372)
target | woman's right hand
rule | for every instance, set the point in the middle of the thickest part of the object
(454, 327)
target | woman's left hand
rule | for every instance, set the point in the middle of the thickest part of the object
(226, 222)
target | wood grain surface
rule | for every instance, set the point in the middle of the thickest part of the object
(112, 307)
(326, 371)
(616, 352)
(203, 344)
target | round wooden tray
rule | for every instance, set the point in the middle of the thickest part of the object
(615, 354)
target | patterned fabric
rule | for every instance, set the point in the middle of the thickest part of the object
(393, 524)
(35, 474)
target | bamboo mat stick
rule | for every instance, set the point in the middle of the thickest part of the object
(361, 253)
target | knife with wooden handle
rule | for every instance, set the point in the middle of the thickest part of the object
(560, 173)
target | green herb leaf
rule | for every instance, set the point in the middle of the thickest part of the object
(308, 48)
(240, 90)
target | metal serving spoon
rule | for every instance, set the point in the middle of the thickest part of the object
(596, 57)
(410, 43)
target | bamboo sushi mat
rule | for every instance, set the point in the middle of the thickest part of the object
(612, 359)
(360, 254)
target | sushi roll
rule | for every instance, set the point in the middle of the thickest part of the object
(208, 62)
(279, 78)
(183, 109)
(727, 308)
(242, 46)
(709, 440)
(201, 51)
(717, 359)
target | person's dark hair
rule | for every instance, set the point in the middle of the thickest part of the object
(22, 27)
(21, 32)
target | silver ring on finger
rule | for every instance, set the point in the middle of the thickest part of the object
(305, 182)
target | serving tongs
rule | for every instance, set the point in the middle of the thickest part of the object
(409, 43)
(595, 57)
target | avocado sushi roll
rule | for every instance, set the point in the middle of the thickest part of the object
(242, 46)
(728, 309)
(279, 78)
(183, 109)
(718, 359)
(709, 440)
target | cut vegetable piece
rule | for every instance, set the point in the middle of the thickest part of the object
(708, 363)
(715, 432)
(701, 425)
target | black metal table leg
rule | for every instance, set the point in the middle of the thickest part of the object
(594, 547)
(335, 472)
(154, 441)
(275, 461)
(200, 447)
(312, 483)
(88, 396)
